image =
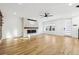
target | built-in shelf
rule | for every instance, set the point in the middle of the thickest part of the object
(30, 27)
(31, 20)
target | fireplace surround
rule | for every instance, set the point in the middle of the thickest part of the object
(31, 31)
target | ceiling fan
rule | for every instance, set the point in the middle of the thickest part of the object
(46, 15)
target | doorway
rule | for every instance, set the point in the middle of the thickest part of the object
(68, 27)
(0, 25)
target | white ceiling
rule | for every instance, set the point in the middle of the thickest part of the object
(33, 10)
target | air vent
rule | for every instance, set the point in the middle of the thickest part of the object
(77, 6)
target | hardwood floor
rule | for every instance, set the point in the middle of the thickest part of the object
(40, 45)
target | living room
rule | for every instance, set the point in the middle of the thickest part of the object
(33, 28)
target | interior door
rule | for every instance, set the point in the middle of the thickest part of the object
(68, 27)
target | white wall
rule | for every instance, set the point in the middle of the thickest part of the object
(59, 25)
(11, 25)
(40, 28)
(75, 20)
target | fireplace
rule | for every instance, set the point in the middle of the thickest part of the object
(31, 31)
